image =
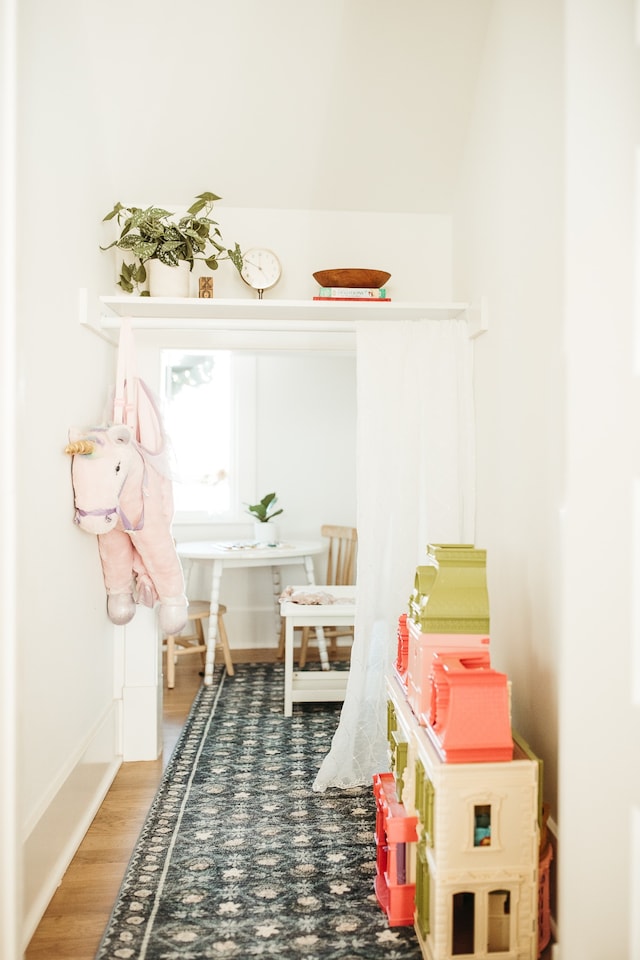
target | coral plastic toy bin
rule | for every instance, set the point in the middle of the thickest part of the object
(396, 832)
(421, 650)
(470, 714)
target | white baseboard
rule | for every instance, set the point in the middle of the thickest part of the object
(53, 840)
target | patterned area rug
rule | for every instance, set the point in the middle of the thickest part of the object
(238, 857)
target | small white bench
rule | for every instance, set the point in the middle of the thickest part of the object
(315, 685)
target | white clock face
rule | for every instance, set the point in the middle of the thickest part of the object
(260, 268)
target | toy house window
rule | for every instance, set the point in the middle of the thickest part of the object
(499, 921)
(423, 800)
(419, 775)
(463, 926)
(399, 753)
(392, 721)
(482, 825)
(423, 883)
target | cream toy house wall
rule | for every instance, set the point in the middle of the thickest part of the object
(501, 878)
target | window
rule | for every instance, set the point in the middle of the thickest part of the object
(423, 883)
(197, 409)
(424, 797)
(482, 825)
(499, 926)
(399, 755)
(209, 409)
(463, 928)
(392, 721)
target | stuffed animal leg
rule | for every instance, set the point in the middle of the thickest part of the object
(156, 562)
(116, 556)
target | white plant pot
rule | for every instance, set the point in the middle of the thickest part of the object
(265, 532)
(167, 281)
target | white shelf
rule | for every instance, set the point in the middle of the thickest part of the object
(160, 312)
(267, 316)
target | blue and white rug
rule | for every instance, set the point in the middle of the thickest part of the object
(238, 857)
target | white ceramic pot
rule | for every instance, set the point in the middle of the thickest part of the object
(167, 281)
(265, 532)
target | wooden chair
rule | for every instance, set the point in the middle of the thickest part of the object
(341, 570)
(182, 644)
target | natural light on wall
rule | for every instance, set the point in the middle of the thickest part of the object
(197, 407)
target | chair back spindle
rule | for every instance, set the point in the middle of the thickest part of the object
(341, 558)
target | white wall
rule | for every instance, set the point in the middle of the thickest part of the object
(600, 658)
(10, 840)
(67, 719)
(287, 105)
(544, 226)
(508, 234)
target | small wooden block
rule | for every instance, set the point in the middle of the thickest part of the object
(205, 287)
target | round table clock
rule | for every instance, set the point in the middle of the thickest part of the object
(260, 269)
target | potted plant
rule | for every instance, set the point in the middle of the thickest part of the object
(152, 236)
(263, 512)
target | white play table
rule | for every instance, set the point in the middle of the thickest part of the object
(315, 685)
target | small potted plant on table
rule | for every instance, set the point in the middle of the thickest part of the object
(263, 512)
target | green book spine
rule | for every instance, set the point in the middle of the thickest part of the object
(355, 293)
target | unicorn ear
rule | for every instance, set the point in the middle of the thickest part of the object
(119, 434)
(77, 433)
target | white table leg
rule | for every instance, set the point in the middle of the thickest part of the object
(309, 570)
(277, 590)
(212, 632)
(322, 643)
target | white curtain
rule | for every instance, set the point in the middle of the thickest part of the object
(415, 456)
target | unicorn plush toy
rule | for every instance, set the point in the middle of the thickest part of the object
(123, 494)
(128, 504)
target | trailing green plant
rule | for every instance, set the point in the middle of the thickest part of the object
(264, 511)
(152, 234)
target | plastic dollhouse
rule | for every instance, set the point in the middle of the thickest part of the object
(458, 817)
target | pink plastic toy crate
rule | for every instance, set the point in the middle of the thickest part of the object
(395, 831)
(469, 719)
(421, 648)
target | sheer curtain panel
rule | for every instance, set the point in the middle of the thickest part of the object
(415, 469)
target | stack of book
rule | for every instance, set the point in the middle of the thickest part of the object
(369, 294)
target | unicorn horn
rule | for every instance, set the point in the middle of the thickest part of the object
(80, 446)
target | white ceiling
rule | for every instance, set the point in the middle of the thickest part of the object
(338, 105)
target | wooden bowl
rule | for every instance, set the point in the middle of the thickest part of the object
(351, 278)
